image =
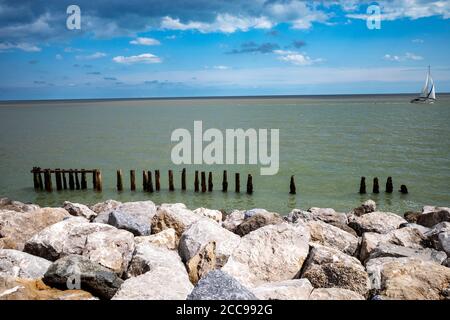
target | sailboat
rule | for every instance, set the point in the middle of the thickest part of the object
(428, 94)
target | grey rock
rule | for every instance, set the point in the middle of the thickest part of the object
(79, 210)
(257, 220)
(21, 264)
(380, 222)
(295, 289)
(233, 219)
(334, 294)
(8, 204)
(431, 216)
(392, 250)
(134, 217)
(218, 285)
(439, 237)
(105, 206)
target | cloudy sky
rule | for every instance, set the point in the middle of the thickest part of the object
(220, 47)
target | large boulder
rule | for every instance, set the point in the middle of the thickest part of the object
(8, 204)
(380, 222)
(327, 215)
(34, 289)
(218, 285)
(233, 219)
(202, 263)
(433, 215)
(79, 210)
(16, 227)
(407, 237)
(330, 268)
(204, 231)
(295, 289)
(256, 221)
(392, 250)
(215, 215)
(79, 271)
(411, 216)
(135, 217)
(22, 265)
(409, 279)
(166, 238)
(331, 236)
(105, 206)
(271, 253)
(439, 237)
(367, 207)
(334, 294)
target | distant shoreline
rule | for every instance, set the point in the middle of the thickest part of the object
(323, 96)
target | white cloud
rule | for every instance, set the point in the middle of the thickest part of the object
(298, 13)
(28, 47)
(407, 56)
(225, 23)
(221, 67)
(96, 55)
(145, 41)
(142, 58)
(296, 58)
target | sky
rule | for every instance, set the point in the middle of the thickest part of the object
(156, 48)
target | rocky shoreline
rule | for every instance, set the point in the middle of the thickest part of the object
(139, 250)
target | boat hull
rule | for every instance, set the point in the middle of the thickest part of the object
(423, 100)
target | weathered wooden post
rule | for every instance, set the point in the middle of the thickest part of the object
(203, 181)
(171, 187)
(64, 179)
(183, 179)
(157, 180)
(99, 180)
(144, 180)
(77, 181)
(119, 180)
(362, 185)
(94, 179)
(403, 189)
(376, 187)
(58, 179)
(39, 177)
(389, 185)
(292, 187)
(237, 182)
(224, 181)
(249, 184)
(71, 180)
(132, 180)
(150, 181)
(210, 182)
(83, 180)
(196, 183)
(48, 180)
(35, 178)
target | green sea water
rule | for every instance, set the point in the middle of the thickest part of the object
(328, 143)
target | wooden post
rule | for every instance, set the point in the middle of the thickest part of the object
(376, 187)
(48, 180)
(203, 181)
(144, 180)
(224, 181)
(157, 180)
(403, 189)
(389, 185)
(249, 184)
(119, 180)
(171, 187)
(94, 179)
(183, 179)
(150, 181)
(196, 184)
(237, 183)
(77, 181)
(64, 180)
(71, 181)
(292, 187)
(35, 178)
(133, 180)
(58, 179)
(210, 182)
(83, 180)
(39, 177)
(99, 180)
(362, 185)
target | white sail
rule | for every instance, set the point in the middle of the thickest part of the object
(432, 94)
(424, 92)
(428, 93)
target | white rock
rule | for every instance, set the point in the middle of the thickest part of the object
(215, 215)
(295, 289)
(166, 238)
(79, 210)
(105, 206)
(175, 217)
(380, 222)
(334, 294)
(22, 265)
(233, 219)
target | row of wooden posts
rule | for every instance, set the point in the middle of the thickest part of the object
(147, 180)
(376, 186)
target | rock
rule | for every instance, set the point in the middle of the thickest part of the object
(202, 263)
(410, 278)
(367, 207)
(431, 216)
(204, 231)
(411, 216)
(105, 206)
(165, 238)
(331, 236)
(326, 215)
(447, 263)
(418, 227)
(380, 222)
(407, 237)
(79, 270)
(149, 257)
(175, 217)
(135, 217)
(101, 243)
(330, 268)
(334, 294)
(22, 265)
(79, 210)
(31, 289)
(392, 250)
(295, 289)
(102, 217)
(233, 219)
(16, 227)
(271, 253)
(439, 237)
(218, 285)
(250, 213)
(256, 221)
(215, 215)
(8, 204)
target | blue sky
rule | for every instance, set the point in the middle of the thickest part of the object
(205, 48)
